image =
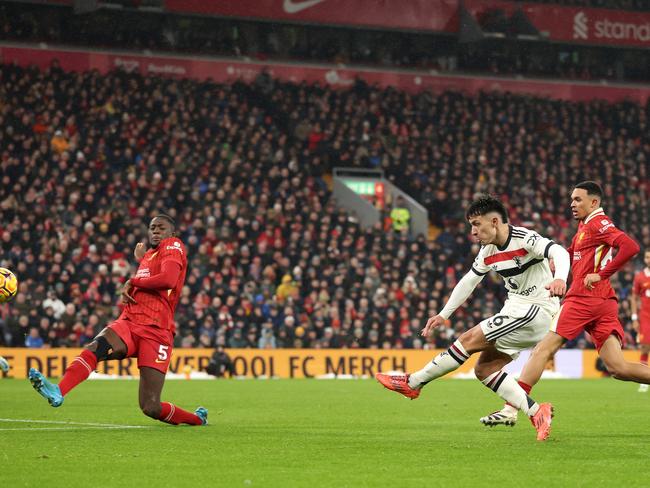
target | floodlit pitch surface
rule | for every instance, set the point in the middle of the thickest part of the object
(311, 433)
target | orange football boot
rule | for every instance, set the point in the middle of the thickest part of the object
(542, 421)
(399, 383)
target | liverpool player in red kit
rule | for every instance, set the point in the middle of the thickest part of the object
(590, 304)
(145, 329)
(640, 302)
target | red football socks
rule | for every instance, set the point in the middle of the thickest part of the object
(526, 387)
(78, 371)
(171, 414)
(644, 358)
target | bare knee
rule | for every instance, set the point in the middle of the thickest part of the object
(473, 340)
(618, 370)
(151, 409)
(482, 371)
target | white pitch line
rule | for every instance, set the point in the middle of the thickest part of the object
(82, 424)
(73, 427)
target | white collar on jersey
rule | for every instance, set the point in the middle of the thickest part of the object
(595, 213)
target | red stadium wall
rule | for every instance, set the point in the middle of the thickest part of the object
(223, 70)
(594, 26)
(556, 22)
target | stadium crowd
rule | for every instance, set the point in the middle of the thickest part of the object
(273, 262)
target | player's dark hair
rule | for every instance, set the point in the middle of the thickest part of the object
(484, 205)
(166, 217)
(592, 188)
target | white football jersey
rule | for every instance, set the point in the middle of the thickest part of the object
(523, 264)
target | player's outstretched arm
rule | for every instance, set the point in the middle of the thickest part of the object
(167, 278)
(461, 292)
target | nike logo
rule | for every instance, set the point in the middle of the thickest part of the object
(292, 7)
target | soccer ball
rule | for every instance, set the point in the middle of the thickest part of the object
(8, 285)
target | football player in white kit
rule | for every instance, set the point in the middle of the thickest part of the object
(521, 257)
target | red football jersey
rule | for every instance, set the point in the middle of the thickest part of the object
(642, 290)
(156, 307)
(590, 252)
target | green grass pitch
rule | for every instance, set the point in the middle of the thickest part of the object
(310, 433)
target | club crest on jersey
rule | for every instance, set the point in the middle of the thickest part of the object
(581, 236)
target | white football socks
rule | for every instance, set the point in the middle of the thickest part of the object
(442, 364)
(507, 388)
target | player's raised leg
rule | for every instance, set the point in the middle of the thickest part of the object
(443, 363)
(151, 385)
(107, 345)
(410, 385)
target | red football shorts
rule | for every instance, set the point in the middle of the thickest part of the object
(597, 316)
(643, 337)
(152, 346)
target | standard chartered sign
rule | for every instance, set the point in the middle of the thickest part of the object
(606, 29)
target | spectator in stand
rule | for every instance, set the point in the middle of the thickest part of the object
(34, 340)
(53, 303)
(400, 216)
(288, 290)
(220, 364)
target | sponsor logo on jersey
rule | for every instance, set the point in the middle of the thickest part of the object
(577, 256)
(175, 247)
(528, 291)
(143, 273)
(606, 225)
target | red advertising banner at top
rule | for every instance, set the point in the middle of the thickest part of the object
(563, 24)
(225, 70)
(432, 15)
(579, 25)
(593, 26)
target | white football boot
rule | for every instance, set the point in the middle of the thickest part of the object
(506, 416)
